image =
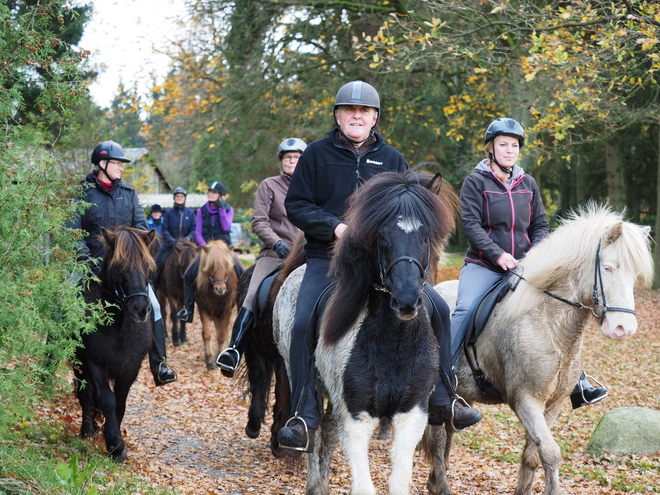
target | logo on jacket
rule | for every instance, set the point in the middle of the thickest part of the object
(374, 162)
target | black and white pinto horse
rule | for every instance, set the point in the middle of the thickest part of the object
(531, 348)
(115, 350)
(377, 354)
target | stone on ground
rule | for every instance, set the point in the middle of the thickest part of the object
(627, 430)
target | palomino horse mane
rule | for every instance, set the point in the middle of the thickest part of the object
(573, 246)
(215, 256)
(383, 200)
(130, 250)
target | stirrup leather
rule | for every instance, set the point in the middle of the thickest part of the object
(299, 449)
(228, 351)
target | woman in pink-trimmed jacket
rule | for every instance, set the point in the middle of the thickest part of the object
(503, 218)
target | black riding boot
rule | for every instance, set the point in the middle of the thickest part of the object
(160, 370)
(229, 359)
(585, 393)
(188, 311)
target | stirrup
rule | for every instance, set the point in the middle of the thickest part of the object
(585, 401)
(455, 399)
(299, 449)
(174, 373)
(182, 315)
(227, 367)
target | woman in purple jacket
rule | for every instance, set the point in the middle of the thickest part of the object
(503, 218)
(213, 224)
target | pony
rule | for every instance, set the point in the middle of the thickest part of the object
(170, 285)
(530, 349)
(215, 289)
(115, 350)
(376, 355)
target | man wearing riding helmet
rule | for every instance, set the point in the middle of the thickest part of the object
(115, 203)
(329, 171)
(277, 233)
(503, 218)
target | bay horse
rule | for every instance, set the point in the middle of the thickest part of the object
(377, 355)
(531, 347)
(215, 291)
(115, 350)
(170, 285)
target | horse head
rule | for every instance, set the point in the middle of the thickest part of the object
(216, 265)
(624, 259)
(127, 268)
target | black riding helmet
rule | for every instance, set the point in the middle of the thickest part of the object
(218, 187)
(179, 190)
(108, 150)
(504, 127)
(358, 93)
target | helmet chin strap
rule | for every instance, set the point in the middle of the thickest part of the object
(493, 158)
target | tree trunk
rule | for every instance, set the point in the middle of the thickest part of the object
(614, 176)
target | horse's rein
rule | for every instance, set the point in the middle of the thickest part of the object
(598, 284)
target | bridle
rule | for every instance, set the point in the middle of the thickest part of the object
(216, 280)
(384, 273)
(598, 287)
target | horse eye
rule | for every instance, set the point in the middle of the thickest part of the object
(607, 268)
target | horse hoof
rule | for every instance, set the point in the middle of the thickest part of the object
(119, 453)
(252, 432)
(176, 343)
(210, 366)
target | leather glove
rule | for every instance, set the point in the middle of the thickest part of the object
(282, 249)
(221, 204)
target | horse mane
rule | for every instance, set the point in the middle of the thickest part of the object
(215, 256)
(185, 250)
(127, 249)
(571, 249)
(381, 199)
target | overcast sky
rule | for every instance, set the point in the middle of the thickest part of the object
(125, 37)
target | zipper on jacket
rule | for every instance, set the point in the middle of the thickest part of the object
(357, 170)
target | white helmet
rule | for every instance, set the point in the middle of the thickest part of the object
(290, 144)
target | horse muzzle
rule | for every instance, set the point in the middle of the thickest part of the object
(220, 290)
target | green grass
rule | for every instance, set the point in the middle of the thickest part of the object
(48, 460)
(454, 260)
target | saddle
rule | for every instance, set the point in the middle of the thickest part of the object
(474, 324)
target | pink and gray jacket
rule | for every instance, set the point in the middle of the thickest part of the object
(498, 219)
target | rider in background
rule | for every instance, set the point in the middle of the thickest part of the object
(213, 223)
(115, 203)
(503, 218)
(277, 233)
(155, 219)
(329, 171)
(178, 223)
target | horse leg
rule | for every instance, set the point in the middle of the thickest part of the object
(318, 462)
(540, 446)
(85, 394)
(259, 376)
(209, 358)
(437, 446)
(175, 323)
(408, 431)
(222, 331)
(355, 435)
(282, 406)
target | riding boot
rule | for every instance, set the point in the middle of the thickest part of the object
(229, 359)
(585, 393)
(445, 405)
(186, 314)
(160, 370)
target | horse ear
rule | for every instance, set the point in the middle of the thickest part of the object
(151, 235)
(646, 231)
(436, 183)
(614, 233)
(108, 235)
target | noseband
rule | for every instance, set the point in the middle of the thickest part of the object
(386, 272)
(123, 298)
(216, 280)
(598, 287)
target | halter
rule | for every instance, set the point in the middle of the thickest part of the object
(215, 280)
(385, 273)
(598, 286)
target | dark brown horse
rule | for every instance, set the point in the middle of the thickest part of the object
(215, 294)
(170, 286)
(114, 352)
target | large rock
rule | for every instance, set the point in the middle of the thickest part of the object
(627, 430)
